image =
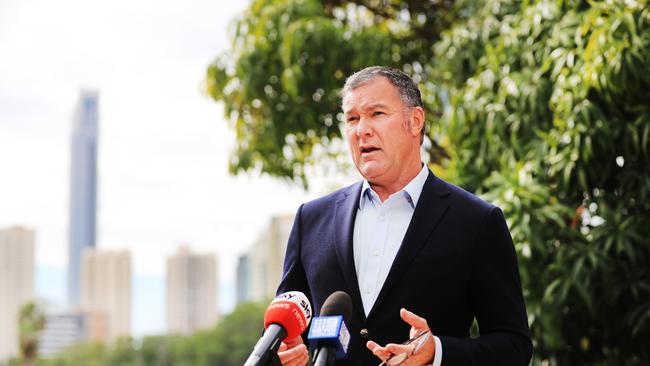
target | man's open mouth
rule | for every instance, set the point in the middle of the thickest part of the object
(369, 149)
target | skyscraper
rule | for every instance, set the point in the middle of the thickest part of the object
(243, 278)
(266, 258)
(106, 288)
(191, 291)
(83, 188)
(16, 284)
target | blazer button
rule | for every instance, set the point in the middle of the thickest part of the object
(364, 333)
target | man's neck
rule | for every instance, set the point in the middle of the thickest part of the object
(385, 191)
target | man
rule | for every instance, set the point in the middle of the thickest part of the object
(415, 253)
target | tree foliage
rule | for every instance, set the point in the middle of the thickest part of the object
(227, 344)
(31, 321)
(281, 80)
(542, 107)
(552, 122)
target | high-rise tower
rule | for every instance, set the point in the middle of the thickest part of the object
(191, 291)
(106, 288)
(266, 257)
(16, 284)
(83, 188)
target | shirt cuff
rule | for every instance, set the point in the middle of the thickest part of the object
(437, 356)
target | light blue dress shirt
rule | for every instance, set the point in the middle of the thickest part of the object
(379, 229)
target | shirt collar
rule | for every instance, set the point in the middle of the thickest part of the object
(411, 191)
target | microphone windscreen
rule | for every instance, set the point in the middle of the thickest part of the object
(338, 303)
(291, 310)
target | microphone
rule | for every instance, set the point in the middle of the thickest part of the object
(329, 331)
(287, 317)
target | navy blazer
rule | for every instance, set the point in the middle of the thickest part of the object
(456, 262)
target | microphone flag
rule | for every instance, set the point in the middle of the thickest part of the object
(332, 329)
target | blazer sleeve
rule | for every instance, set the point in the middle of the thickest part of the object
(293, 274)
(497, 303)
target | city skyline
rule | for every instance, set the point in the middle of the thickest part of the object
(164, 151)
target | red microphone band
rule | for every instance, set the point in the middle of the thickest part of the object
(288, 314)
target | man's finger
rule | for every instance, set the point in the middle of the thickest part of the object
(371, 345)
(298, 361)
(397, 349)
(413, 320)
(293, 355)
(293, 342)
(377, 350)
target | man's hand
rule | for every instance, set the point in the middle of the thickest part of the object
(422, 357)
(293, 352)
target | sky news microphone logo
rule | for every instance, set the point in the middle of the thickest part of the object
(287, 306)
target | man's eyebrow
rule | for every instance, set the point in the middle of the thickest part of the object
(371, 106)
(375, 106)
(347, 111)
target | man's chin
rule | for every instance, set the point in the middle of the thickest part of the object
(370, 171)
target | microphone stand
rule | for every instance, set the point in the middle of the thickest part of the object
(324, 356)
(274, 360)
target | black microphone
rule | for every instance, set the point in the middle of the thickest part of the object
(287, 317)
(329, 331)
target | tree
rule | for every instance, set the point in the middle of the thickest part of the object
(281, 80)
(122, 353)
(549, 122)
(227, 344)
(82, 354)
(539, 106)
(31, 320)
(237, 333)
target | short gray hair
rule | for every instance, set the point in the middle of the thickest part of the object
(406, 87)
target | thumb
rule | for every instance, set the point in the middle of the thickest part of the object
(291, 343)
(413, 320)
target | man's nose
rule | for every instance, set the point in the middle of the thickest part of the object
(364, 127)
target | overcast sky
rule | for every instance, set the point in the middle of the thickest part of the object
(163, 147)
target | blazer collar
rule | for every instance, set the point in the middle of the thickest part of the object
(345, 213)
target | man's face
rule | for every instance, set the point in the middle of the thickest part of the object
(379, 134)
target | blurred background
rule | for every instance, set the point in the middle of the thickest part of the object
(153, 154)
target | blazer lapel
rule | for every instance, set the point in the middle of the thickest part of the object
(431, 207)
(345, 213)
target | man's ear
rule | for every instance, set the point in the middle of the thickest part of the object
(416, 120)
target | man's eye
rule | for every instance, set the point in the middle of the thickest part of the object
(352, 119)
(378, 113)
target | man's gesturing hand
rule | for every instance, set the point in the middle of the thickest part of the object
(293, 352)
(423, 356)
